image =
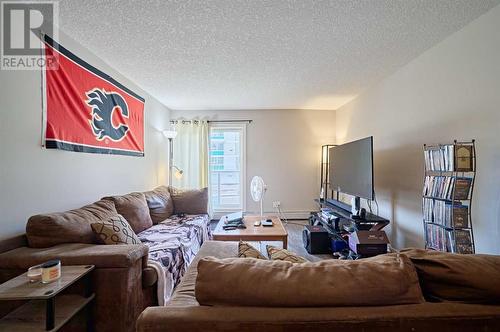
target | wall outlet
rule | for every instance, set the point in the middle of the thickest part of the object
(276, 204)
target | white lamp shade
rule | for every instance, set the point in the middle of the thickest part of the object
(178, 174)
(170, 133)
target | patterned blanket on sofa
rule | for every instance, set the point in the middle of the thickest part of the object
(173, 244)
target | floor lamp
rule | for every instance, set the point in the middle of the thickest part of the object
(171, 134)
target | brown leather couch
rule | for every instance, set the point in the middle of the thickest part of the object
(185, 314)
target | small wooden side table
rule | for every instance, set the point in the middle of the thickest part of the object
(43, 305)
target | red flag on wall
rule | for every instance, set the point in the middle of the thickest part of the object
(86, 110)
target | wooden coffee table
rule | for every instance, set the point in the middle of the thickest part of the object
(253, 233)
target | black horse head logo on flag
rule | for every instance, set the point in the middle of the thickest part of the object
(103, 106)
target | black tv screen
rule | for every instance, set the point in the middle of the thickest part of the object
(351, 168)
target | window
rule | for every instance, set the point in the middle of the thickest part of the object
(227, 167)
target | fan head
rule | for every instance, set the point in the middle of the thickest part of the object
(257, 188)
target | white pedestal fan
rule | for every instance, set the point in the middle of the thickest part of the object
(258, 189)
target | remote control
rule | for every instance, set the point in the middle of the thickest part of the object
(267, 223)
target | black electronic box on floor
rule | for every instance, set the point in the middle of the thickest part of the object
(368, 243)
(316, 240)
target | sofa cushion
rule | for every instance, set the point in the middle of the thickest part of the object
(102, 256)
(13, 243)
(192, 201)
(255, 282)
(134, 208)
(115, 230)
(173, 244)
(184, 292)
(423, 317)
(46, 230)
(149, 277)
(245, 250)
(160, 204)
(457, 277)
(284, 255)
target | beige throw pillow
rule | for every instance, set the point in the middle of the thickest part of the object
(284, 255)
(115, 230)
(245, 250)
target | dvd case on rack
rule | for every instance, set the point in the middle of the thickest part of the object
(440, 158)
(463, 241)
(449, 214)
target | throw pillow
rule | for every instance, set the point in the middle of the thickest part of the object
(284, 255)
(193, 201)
(457, 277)
(328, 283)
(134, 209)
(47, 230)
(160, 203)
(245, 250)
(115, 230)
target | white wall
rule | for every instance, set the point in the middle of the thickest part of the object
(452, 91)
(34, 180)
(284, 147)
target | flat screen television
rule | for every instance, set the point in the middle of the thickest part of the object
(351, 168)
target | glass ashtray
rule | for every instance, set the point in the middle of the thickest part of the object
(35, 273)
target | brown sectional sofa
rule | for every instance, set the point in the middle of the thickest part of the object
(123, 283)
(184, 313)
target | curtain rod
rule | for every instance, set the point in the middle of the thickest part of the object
(209, 121)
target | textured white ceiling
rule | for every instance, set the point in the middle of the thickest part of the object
(236, 54)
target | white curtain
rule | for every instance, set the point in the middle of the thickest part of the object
(191, 154)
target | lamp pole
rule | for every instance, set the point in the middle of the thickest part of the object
(170, 135)
(170, 160)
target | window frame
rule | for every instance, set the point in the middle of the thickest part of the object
(241, 126)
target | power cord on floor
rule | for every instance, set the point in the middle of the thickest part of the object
(376, 203)
(296, 223)
(283, 217)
